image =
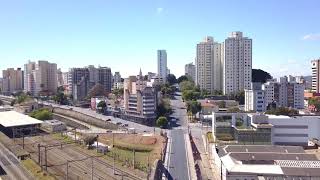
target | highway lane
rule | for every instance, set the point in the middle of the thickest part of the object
(177, 162)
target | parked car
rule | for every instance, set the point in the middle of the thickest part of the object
(108, 120)
(118, 123)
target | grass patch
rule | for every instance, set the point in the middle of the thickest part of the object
(35, 170)
(225, 137)
(64, 138)
(210, 137)
(131, 147)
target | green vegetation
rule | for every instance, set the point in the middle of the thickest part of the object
(259, 75)
(221, 104)
(171, 79)
(131, 147)
(224, 137)
(167, 90)
(239, 96)
(35, 170)
(183, 78)
(283, 111)
(316, 102)
(193, 107)
(102, 106)
(41, 114)
(64, 138)
(164, 108)
(210, 137)
(162, 121)
(60, 97)
(234, 110)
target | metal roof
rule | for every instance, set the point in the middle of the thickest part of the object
(13, 118)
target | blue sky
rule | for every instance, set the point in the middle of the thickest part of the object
(125, 34)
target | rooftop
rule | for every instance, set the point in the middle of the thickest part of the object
(12, 118)
(269, 160)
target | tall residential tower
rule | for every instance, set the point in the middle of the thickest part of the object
(162, 64)
(237, 63)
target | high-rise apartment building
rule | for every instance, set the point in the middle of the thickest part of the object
(116, 77)
(12, 80)
(237, 63)
(139, 101)
(254, 98)
(162, 64)
(81, 80)
(190, 70)
(208, 65)
(315, 75)
(40, 77)
(284, 93)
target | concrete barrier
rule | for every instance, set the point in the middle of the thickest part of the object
(69, 121)
(85, 118)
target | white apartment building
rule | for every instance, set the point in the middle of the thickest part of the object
(208, 65)
(162, 64)
(315, 75)
(284, 93)
(237, 63)
(190, 70)
(12, 80)
(254, 99)
(40, 77)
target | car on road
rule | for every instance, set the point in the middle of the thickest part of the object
(125, 125)
(118, 123)
(108, 120)
(182, 107)
(108, 131)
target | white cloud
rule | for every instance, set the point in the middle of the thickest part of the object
(311, 37)
(159, 10)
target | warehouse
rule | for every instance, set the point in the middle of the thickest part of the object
(15, 124)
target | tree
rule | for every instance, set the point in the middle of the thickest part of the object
(283, 111)
(167, 89)
(41, 114)
(102, 106)
(239, 96)
(97, 90)
(164, 108)
(188, 95)
(171, 79)
(187, 85)
(60, 97)
(315, 102)
(162, 121)
(259, 75)
(221, 104)
(193, 107)
(234, 110)
(89, 140)
(183, 78)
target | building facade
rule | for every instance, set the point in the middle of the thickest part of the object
(12, 81)
(40, 78)
(237, 63)
(162, 64)
(284, 93)
(139, 101)
(116, 77)
(315, 75)
(208, 65)
(190, 70)
(254, 98)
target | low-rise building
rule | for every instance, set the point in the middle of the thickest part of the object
(265, 162)
(54, 125)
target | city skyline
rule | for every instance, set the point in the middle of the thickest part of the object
(33, 31)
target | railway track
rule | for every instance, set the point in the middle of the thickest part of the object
(77, 159)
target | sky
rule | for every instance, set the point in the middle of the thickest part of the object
(125, 34)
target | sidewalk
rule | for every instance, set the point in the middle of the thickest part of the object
(208, 170)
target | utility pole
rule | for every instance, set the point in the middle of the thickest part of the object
(134, 154)
(22, 140)
(97, 142)
(67, 170)
(91, 168)
(148, 168)
(39, 156)
(75, 135)
(45, 156)
(114, 159)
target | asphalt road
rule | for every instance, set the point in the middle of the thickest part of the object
(178, 162)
